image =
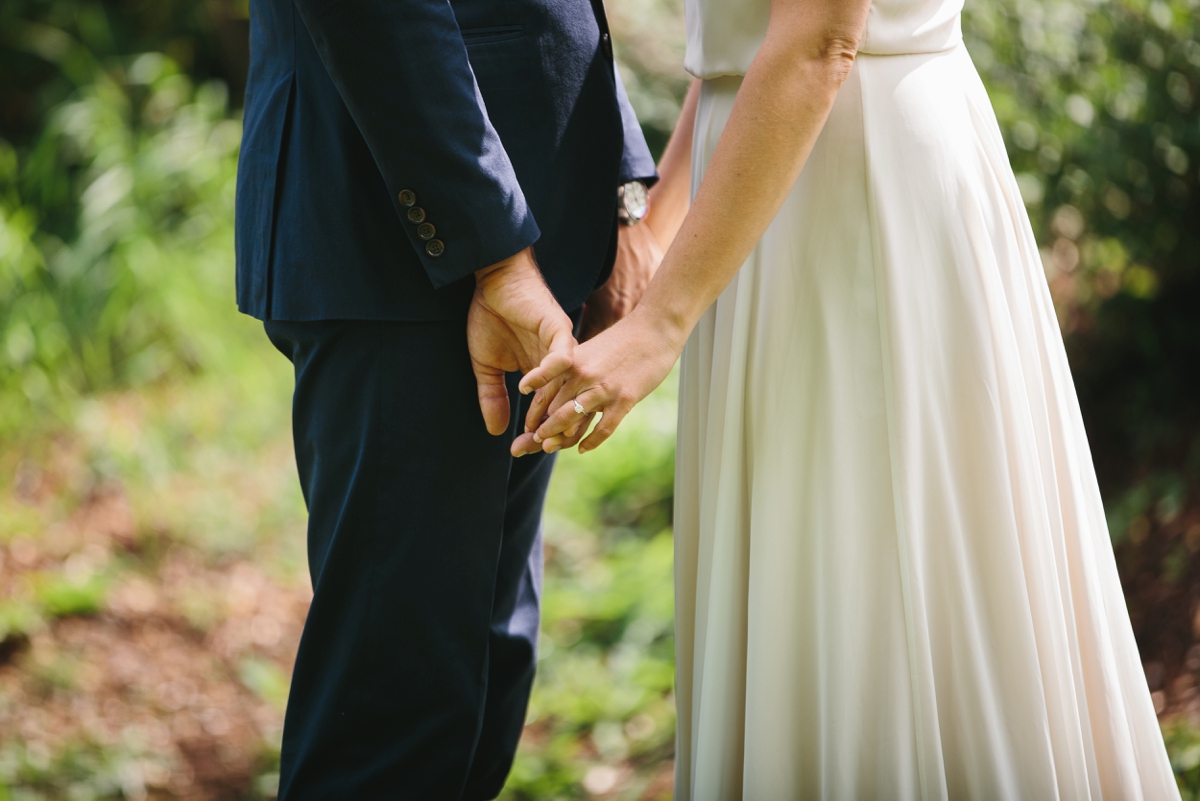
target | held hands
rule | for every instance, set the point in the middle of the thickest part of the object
(514, 324)
(618, 366)
(610, 375)
(625, 356)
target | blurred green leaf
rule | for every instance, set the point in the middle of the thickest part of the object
(266, 680)
(61, 596)
(17, 619)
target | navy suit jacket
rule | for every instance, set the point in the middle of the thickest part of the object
(391, 148)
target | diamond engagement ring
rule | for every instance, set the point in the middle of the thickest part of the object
(578, 408)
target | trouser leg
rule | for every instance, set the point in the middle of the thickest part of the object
(512, 642)
(418, 651)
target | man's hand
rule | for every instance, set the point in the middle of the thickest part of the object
(638, 257)
(514, 324)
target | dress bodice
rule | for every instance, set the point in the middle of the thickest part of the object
(724, 35)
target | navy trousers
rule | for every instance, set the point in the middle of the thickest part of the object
(424, 545)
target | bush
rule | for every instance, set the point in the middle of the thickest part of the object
(115, 232)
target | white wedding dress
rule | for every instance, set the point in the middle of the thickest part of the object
(894, 577)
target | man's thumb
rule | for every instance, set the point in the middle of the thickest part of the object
(493, 397)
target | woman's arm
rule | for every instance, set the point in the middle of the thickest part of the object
(669, 198)
(781, 107)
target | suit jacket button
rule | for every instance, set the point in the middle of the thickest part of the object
(435, 247)
(416, 214)
(426, 230)
(407, 198)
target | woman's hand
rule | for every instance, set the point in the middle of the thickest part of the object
(611, 374)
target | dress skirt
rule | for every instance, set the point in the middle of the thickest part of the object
(894, 576)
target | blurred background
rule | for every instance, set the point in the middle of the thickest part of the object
(152, 574)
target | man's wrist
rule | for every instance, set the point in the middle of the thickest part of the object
(632, 202)
(491, 268)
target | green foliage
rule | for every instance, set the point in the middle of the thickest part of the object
(266, 680)
(1183, 743)
(54, 595)
(114, 231)
(61, 596)
(50, 48)
(649, 42)
(17, 620)
(85, 770)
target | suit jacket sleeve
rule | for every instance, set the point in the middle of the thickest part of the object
(636, 162)
(401, 68)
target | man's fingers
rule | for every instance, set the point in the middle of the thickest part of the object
(493, 397)
(558, 360)
(525, 445)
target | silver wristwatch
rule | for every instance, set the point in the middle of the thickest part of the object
(633, 201)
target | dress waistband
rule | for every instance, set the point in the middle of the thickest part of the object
(910, 29)
(914, 52)
(736, 77)
(883, 37)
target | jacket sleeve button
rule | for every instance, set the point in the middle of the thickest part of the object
(416, 214)
(435, 247)
(407, 198)
(426, 231)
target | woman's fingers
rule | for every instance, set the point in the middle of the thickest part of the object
(569, 438)
(540, 405)
(525, 444)
(605, 428)
(560, 355)
(571, 408)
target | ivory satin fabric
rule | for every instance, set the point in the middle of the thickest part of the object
(894, 577)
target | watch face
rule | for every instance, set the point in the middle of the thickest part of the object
(634, 200)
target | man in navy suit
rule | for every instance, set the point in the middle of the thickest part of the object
(427, 194)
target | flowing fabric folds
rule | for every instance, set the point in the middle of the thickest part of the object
(894, 577)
